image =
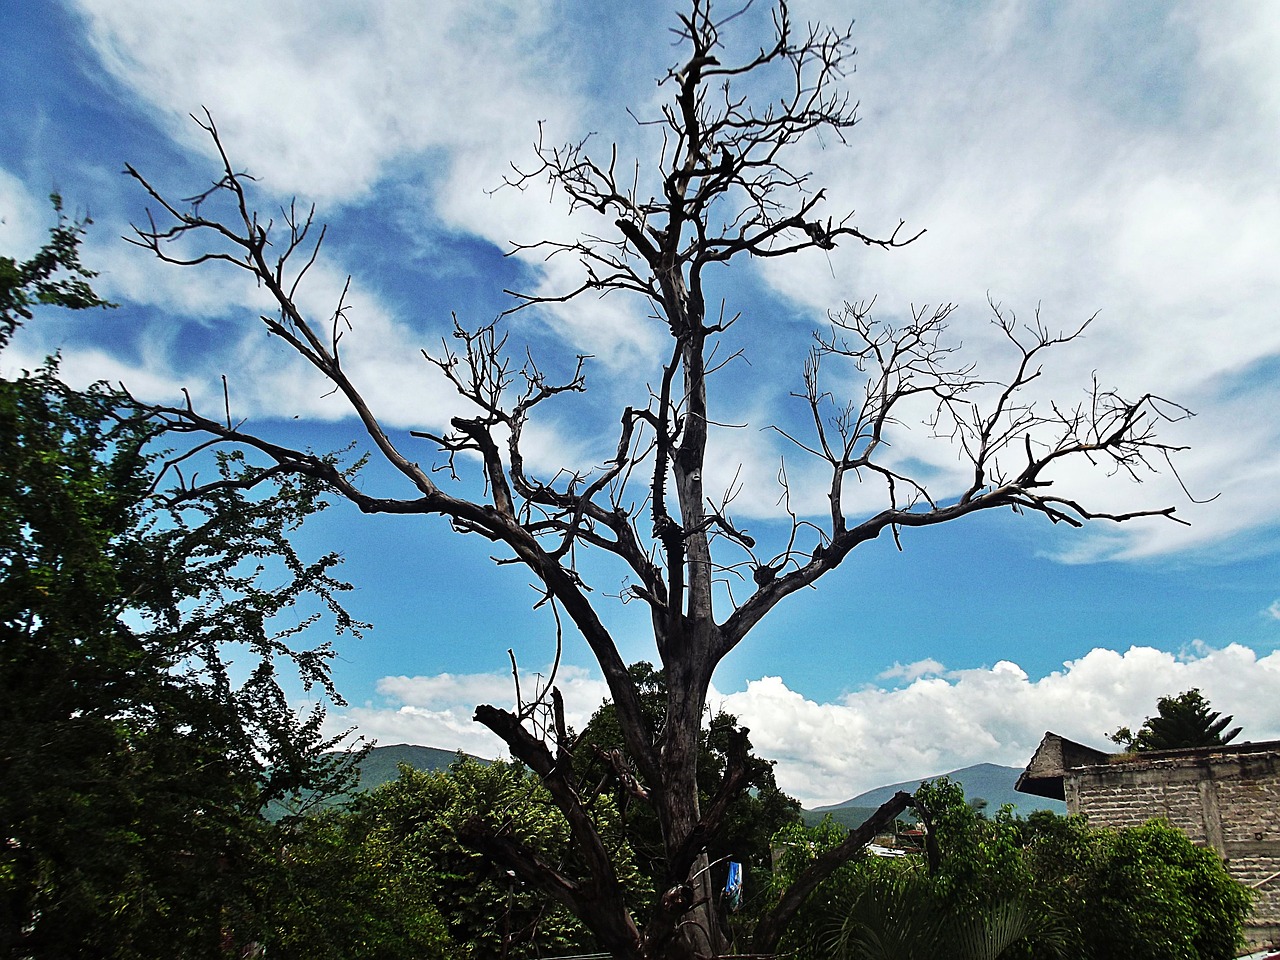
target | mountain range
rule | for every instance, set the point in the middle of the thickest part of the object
(380, 765)
(988, 782)
(982, 781)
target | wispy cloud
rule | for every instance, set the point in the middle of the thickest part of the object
(1052, 172)
(1109, 159)
(321, 99)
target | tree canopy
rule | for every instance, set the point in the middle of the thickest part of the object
(54, 276)
(1186, 720)
(143, 724)
(392, 876)
(1045, 887)
(753, 816)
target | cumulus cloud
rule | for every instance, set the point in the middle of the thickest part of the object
(945, 720)
(937, 721)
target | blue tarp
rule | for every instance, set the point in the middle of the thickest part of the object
(733, 886)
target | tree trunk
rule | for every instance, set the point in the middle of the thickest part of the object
(697, 931)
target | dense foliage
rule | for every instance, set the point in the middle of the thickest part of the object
(393, 876)
(1186, 720)
(143, 728)
(1143, 892)
(1006, 887)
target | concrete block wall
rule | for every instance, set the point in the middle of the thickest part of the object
(1227, 800)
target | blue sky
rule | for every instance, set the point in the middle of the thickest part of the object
(1102, 157)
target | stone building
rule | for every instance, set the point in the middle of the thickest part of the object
(1226, 797)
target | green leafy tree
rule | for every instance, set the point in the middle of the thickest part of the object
(974, 860)
(350, 889)
(870, 907)
(1186, 720)
(396, 875)
(795, 849)
(135, 760)
(54, 276)
(1142, 892)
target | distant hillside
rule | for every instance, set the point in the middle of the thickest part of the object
(986, 781)
(383, 765)
(848, 817)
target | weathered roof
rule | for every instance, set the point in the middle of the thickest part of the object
(1053, 758)
(1056, 755)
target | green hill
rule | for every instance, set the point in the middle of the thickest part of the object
(381, 765)
(848, 817)
(986, 781)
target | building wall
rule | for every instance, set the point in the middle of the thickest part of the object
(1228, 800)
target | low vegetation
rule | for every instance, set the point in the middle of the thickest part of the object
(1005, 887)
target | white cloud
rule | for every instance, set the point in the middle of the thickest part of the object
(410, 724)
(609, 329)
(829, 752)
(1046, 166)
(379, 353)
(912, 671)
(424, 112)
(940, 720)
(319, 99)
(84, 367)
(23, 219)
(1273, 610)
(362, 95)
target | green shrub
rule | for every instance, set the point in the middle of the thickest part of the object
(1008, 888)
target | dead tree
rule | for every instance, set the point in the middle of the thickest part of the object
(722, 190)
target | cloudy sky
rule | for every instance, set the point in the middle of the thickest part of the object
(1108, 158)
